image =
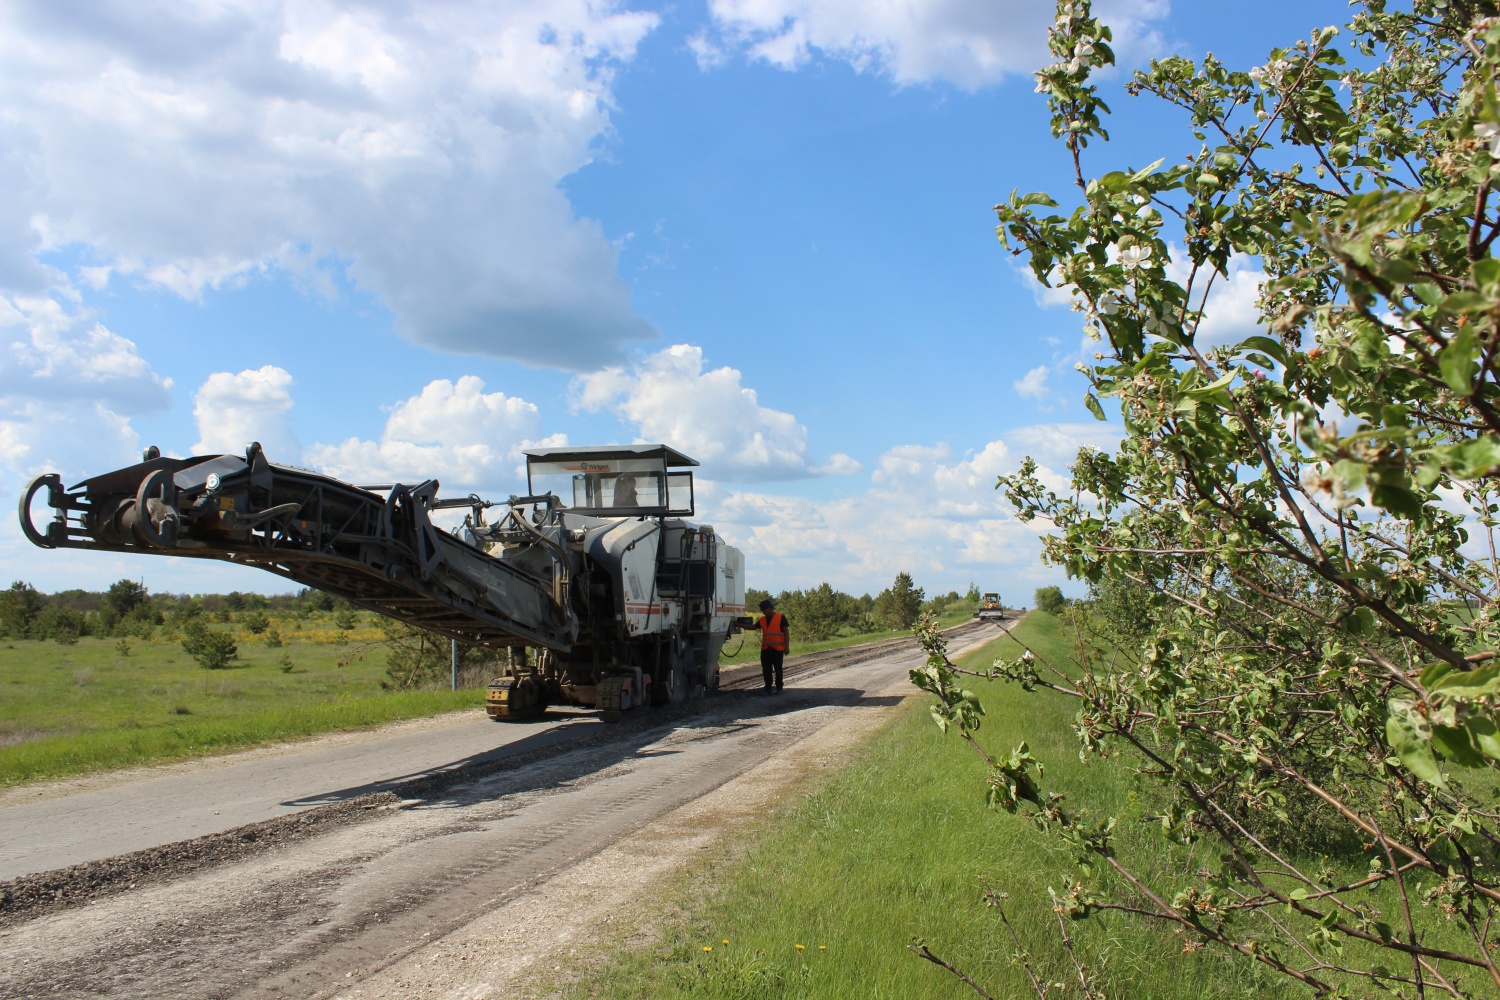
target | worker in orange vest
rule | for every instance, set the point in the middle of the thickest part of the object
(773, 644)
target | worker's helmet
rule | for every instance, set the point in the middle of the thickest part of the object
(767, 604)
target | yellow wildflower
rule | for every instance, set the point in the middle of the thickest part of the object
(799, 947)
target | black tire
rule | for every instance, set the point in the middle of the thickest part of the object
(156, 515)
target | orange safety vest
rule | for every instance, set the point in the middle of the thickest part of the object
(773, 631)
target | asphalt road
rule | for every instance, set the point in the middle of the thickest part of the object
(317, 916)
(223, 793)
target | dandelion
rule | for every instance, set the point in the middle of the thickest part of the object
(708, 948)
(725, 941)
(800, 947)
(822, 947)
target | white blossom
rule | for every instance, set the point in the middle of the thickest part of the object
(1134, 256)
(1490, 134)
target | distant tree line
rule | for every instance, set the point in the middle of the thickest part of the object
(822, 612)
(128, 610)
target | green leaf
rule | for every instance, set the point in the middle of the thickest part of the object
(1299, 893)
(1467, 302)
(1264, 345)
(1433, 672)
(1145, 171)
(1092, 402)
(1453, 743)
(1469, 684)
(1457, 361)
(1473, 459)
(1486, 275)
(1218, 384)
(1485, 734)
(1398, 499)
(1360, 622)
(1407, 741)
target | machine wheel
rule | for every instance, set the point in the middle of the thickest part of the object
(676, 687)
(618, 695)
(52, 483)
(512, 699)
(156, 517)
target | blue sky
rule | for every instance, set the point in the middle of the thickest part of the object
(405, 240)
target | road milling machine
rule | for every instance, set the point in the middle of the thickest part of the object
(593, 589)
(990, 608)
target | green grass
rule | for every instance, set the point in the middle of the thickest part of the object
(899, 845)
(68, 710)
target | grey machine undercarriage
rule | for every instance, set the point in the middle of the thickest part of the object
(594, 588)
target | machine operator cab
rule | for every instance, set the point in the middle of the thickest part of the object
(627, 480)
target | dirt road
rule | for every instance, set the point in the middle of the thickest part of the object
(437, 880)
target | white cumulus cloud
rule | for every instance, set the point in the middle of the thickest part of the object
(708, 414)
(255, 405)
(924, 511)
(971, 43)
(69, 387)
(50, 354)
(199, 143)
(455, 432)
(1033, 384)
(1229, 312)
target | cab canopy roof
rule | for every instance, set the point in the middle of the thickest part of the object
(674, 459)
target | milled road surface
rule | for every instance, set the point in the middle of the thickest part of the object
(317, 916)
(223, 793)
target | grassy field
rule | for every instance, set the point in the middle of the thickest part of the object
(900, 845)
(95, 705)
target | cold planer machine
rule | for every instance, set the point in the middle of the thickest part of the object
(594, 588)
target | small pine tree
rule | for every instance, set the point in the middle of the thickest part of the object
(213, 650)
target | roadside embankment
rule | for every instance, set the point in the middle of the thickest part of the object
(821, 897)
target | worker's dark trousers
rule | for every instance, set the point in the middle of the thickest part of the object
(770, 661)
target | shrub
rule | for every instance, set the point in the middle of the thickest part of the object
(213, 650)
(1050, 600)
